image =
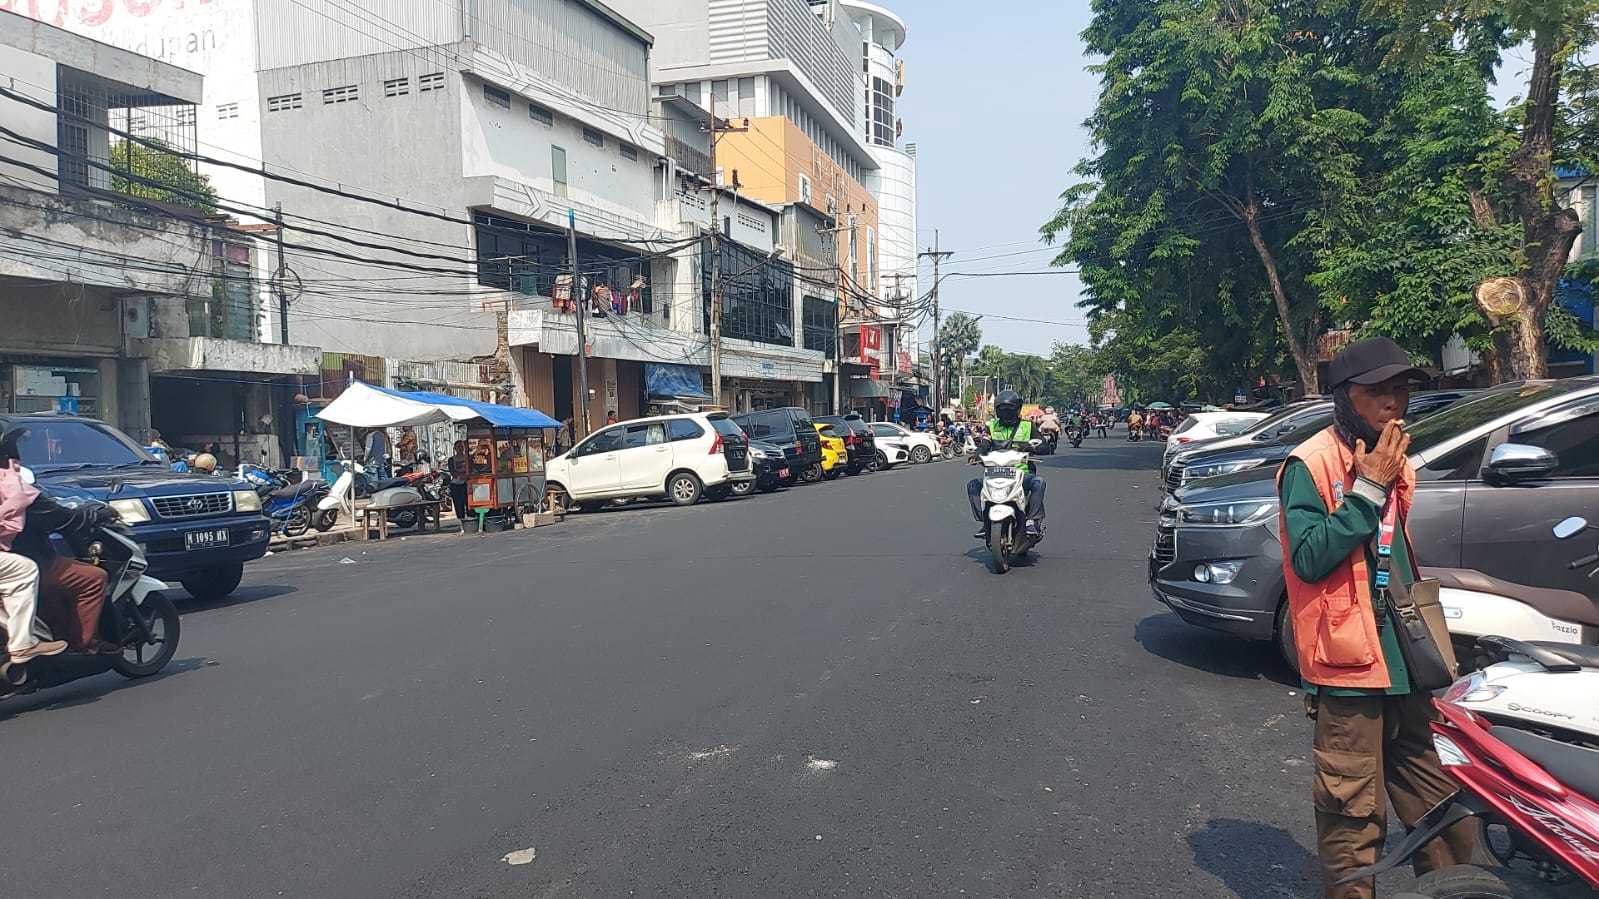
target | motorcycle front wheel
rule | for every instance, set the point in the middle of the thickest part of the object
(999, 544)
(325, 520)
(143, 657)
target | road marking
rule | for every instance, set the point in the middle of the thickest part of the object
(819, 765)
(713, 753)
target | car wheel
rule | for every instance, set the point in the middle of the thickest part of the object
(813, 472)
(1285, 637)
(683, 489)
(214, 583)
(921, 455)
(833, 474)
(743, 488)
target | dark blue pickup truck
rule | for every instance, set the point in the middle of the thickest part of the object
(197, 529)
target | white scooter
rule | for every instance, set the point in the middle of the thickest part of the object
(1551, 689)
(1004, 506)
(1478, 605)
(341, 495)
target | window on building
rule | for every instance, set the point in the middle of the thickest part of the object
(397, 87)
(691, 91)
(433, 81)
(558, 169)
(804, 189)
(285, 101)
(344, 93)
(227, 110)
(527, 258)
(746, 96)
(819, 317)
(496, 97)
(880, 103)
(594, 137)
(866, 56)
(757, 304)
(628, 151)
(539, 114)
(719, 92)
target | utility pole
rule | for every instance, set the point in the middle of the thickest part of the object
(938, 379)
(277, 278)
(582, 313)
(839, 306)
(714, 129)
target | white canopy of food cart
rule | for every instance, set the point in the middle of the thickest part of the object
(363, 406)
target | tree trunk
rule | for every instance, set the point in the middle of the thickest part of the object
(1303, 363)
(1548, 230)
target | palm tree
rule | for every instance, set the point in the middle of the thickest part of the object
(958, 338)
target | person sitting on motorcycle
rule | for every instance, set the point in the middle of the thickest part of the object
(71, 593)
(1050, 422)
(1008, 430)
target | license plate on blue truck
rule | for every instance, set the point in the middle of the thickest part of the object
(205, 539)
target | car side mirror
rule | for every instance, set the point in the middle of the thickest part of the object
(1570, 527)
(1520, 462)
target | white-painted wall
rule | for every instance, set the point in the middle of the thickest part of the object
(34, 76)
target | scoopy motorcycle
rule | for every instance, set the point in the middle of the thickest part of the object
(1545, 794)
(136, 617)
(1004, 505)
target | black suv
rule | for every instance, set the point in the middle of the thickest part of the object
(790, 428)
(197, 529)
(1217, 560)
(858, 439)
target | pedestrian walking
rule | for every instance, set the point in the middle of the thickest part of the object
(1345, 494)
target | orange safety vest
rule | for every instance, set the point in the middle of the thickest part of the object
(1335, 625)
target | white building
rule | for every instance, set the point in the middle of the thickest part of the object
(129, 310)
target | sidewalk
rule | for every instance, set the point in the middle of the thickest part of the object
(346, 529)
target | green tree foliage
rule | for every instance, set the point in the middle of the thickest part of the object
(157, 173)
(1555, 126)
(1260, 176)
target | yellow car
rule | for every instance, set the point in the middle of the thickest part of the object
(835, 457)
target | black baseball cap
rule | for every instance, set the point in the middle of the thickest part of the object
(1371, 361)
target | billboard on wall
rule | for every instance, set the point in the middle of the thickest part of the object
(871, 345)
(187, 33)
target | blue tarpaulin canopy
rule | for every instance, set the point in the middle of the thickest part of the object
(673, 381)
(498, 416)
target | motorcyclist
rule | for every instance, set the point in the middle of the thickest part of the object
(71, 593)
(1009, 431)
(1050, 422)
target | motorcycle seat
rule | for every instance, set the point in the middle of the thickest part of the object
(1586, 656)
(294, 491)
(391, 482)
(1566, 605)
(1574, 766)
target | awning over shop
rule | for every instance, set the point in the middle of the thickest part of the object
(670, 380)
(365, 406)
(869, 388)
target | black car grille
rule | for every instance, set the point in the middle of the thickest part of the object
(1174, 475)
(194, 505)
(1165, 545)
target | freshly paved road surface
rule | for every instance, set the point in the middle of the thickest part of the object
(821, 692)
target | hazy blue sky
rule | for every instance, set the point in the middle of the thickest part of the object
(995, 97)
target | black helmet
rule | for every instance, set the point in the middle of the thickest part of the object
(1008, 407)
(9, 448)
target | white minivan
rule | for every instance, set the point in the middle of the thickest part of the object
(679, 457)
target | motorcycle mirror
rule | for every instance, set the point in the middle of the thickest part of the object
(1570, 527)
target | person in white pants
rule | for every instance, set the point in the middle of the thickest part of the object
(19, 576)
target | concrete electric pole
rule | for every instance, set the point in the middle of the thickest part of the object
(938, 378)
(713, 130)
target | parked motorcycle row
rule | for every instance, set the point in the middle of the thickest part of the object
(295, 503)
(1506, 479)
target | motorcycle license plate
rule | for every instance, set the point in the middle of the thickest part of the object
(205, 539)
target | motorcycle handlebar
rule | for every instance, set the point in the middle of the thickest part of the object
(1585, 560)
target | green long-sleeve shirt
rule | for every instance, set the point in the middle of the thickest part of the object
(1319, 542)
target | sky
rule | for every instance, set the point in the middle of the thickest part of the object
(995, 100)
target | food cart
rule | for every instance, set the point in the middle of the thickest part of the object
(505, 444)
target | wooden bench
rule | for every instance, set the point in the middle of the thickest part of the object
(376, 520)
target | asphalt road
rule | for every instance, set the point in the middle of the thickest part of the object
(821, 692)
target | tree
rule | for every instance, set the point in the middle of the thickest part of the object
(1075, 376)
(1556, 128)
(1234, 130)
(959, 338)
(158, 173)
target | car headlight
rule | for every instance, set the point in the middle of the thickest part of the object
(1228, 514)
(246, 501)
(131, 510)
(1217, 572)
(1216, 468)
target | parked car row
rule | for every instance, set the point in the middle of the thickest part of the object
(1496, 470)
(686, 457)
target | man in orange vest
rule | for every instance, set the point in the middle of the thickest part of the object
(1372, 743)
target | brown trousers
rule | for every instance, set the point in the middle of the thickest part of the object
(1366, 747)
(71, 594)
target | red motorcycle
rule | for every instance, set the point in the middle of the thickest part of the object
(1544, 793)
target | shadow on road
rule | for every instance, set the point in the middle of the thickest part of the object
(1165, 635)
(1111, 454)
(239, 597)
(1256, 859)
(92, 689)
